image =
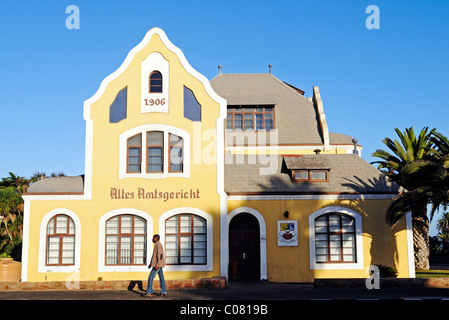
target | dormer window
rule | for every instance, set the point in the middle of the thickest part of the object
(310, 175)
(155, 82)
(307, 168)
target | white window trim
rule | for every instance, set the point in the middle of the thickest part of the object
(42, 268)
(102, 267)
(210, 238)
(358, 234)
(154, 62)
(166, 129)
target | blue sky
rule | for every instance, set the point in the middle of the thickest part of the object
(371, 81)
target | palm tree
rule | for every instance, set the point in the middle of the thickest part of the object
(42, 175)
(438, 171)
(402, 166)
(443, 231)
(20, 183)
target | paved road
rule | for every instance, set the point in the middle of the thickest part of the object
(242, 291)
(261, 300)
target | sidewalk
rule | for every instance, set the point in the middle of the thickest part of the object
(241, 291)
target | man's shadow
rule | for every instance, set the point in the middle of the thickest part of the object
(139, 284)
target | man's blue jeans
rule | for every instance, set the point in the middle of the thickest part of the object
(151, 277)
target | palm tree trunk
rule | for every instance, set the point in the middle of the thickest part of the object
(420, 225)
(5, 222)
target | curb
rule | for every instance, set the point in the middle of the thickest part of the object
(383, 282)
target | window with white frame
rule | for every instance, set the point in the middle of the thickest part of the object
(134, 156)
(175, 153)
(155, 82)
(126, 240)
(186, 240)
(154, 151)
(60, 241)
(335, 239)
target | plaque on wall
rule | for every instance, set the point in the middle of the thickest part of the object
(287, 233)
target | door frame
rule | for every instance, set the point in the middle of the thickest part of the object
(262, 233)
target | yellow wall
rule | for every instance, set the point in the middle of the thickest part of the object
(89, 214)
(284, 264)
(105, 170)
(291, 264)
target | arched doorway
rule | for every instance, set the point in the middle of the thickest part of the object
(244, 248)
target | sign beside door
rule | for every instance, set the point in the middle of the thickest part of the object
(287, 233)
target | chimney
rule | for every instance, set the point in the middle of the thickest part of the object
(219, 69)
(354, 141)
(269, 66)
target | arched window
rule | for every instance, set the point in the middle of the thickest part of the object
(186, 240)
(335, 238)
(155, 82)
(126, 240)
(60, 241)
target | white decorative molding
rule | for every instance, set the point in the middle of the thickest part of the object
(154, 62)
(410, 247)
(25, 239)
(343, 196)
(321, 116)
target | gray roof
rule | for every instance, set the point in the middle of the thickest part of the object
(305, 162)
(348, 173)
(58, 185)
(295, 115)
(339, 138)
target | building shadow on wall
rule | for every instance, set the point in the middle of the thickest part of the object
(386, 235)
(380, 234)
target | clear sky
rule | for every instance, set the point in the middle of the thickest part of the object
(371, 80)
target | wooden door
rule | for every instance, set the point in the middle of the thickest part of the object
(244, 248)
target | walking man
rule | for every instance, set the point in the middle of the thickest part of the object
(157, 263)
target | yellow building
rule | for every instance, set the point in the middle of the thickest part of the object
(240, 176)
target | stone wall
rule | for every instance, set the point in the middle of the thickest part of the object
(212, 283)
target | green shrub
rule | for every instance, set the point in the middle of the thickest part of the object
(5, 255)
(387, 271)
